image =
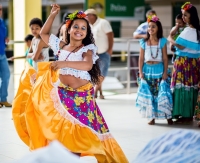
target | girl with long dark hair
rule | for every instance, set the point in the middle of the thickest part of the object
(65, 107)
(154, 98)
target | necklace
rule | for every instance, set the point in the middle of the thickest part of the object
(152, 53)
(74, 50)
(57, 55)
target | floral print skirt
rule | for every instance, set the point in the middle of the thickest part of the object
(154, 98)
(47, 110)
(80, 103)
(184, 86)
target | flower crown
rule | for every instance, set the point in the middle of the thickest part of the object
(186, 6)
(153, 18)
(76, 14)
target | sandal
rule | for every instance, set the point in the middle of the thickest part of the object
(101, 97)
(152, 122)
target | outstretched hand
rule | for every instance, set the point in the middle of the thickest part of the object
(55, 9)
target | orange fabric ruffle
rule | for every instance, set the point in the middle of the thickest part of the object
(39, 120)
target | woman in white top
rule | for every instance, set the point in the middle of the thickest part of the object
(39, 50)
(154, 97)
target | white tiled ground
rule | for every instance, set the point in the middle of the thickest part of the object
(123, 119)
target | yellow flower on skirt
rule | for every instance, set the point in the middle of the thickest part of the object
(90, 116)
(190, 79)
(182, 60)
(179, 75)
(78, 100)
(89, 98)
(65, 107)
(103, 129)
(99, 119)
(194, 62)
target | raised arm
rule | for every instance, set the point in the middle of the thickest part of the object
(139, 36)
(139, 32)
(45, 31)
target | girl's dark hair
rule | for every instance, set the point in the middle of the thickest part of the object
(28, 38)
(160, 30)
(36, 21)
(194, 20)
(95, 72)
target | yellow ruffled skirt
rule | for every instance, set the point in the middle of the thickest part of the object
(45, 110)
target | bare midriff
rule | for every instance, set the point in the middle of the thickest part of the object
(72, 81)
(152, 62)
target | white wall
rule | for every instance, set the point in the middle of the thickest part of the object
(165, 15)
(128, 27)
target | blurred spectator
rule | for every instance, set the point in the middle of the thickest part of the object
(103, 36)
(4, 67)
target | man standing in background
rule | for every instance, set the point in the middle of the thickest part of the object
(103, 36)
(4, 67)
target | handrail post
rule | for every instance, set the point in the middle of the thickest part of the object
(128, 67)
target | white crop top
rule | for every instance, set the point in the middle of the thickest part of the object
(54, 43)
(150, 52)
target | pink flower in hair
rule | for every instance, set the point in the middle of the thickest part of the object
(153, 18)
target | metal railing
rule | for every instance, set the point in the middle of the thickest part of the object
(131, 48)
